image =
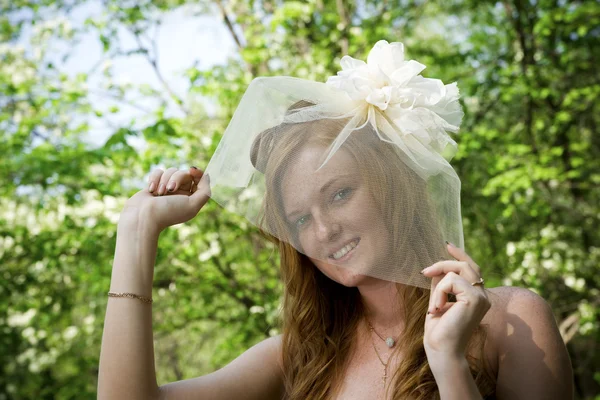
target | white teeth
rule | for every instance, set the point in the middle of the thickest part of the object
(344, 250)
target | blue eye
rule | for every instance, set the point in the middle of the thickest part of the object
(342, 194)
(301, 221)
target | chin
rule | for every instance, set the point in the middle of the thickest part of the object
(343, 276)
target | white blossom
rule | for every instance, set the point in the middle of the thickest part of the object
(21, 319)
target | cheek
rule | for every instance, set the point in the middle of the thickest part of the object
(309, 245)
(328, 270)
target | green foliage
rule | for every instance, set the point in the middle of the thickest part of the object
(529, 156)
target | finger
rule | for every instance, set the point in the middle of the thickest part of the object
(451, 283)
(445, 266)
(462, 268)
(196, 173)
(154, 180)
(196, 176)
(462, 255)
(464, 291)
(439, 299)
(180, 180)
(202, 194)
(439, 270)
(434, 282)
(164, 179)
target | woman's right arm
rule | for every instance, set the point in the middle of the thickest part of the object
(127, 353)
(127, 368)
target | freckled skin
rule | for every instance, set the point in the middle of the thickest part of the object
(325, 221)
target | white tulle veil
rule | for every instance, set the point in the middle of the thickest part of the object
(354, 172)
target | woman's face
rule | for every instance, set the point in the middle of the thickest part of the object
(334, 217)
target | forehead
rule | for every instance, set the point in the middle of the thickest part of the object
(301, 179)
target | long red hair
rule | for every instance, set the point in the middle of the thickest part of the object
(321, 317)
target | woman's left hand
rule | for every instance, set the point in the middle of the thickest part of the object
(449, 328)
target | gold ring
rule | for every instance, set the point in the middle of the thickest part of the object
(479, 282)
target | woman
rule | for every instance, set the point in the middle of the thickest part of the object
(352, 218)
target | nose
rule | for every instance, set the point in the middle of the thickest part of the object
(326, 230)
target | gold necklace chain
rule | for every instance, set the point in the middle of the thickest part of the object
(385, 364)
(390, 341)
(377, 333)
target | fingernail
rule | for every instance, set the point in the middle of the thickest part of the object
(171, 186)
(451, 244)
(194, 167)
(152, 187)
(161, 189)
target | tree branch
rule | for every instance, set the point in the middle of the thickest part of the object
(174, 360)
(153, 61)
(230, 27)
(569, 326)
(228, 274)
(121, 100)
(241, 46)
(526, 60)
(344, 19)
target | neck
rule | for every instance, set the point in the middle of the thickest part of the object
(382, 309)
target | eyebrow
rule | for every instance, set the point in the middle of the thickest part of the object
(323, 189)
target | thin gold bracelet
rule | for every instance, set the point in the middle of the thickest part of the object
(130, 295)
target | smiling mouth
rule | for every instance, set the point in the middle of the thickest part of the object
(341, 253)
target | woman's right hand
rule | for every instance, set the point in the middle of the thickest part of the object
(171, 197)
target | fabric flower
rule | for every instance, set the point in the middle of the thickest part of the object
(393, 90)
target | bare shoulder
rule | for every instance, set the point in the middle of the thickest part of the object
(273, 346)
(255, 374)
(513, 299)
(493, 320)
(508, 301)
(532, 359)
(503, 295)
(516, 308)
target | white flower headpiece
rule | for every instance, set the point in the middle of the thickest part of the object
(404, 108)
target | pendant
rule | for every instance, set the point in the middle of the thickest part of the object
(390, 342)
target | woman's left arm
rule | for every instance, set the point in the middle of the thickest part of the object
(533, 362)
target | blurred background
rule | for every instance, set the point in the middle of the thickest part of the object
(95, 94)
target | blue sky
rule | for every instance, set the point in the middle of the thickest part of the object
(183, 39)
